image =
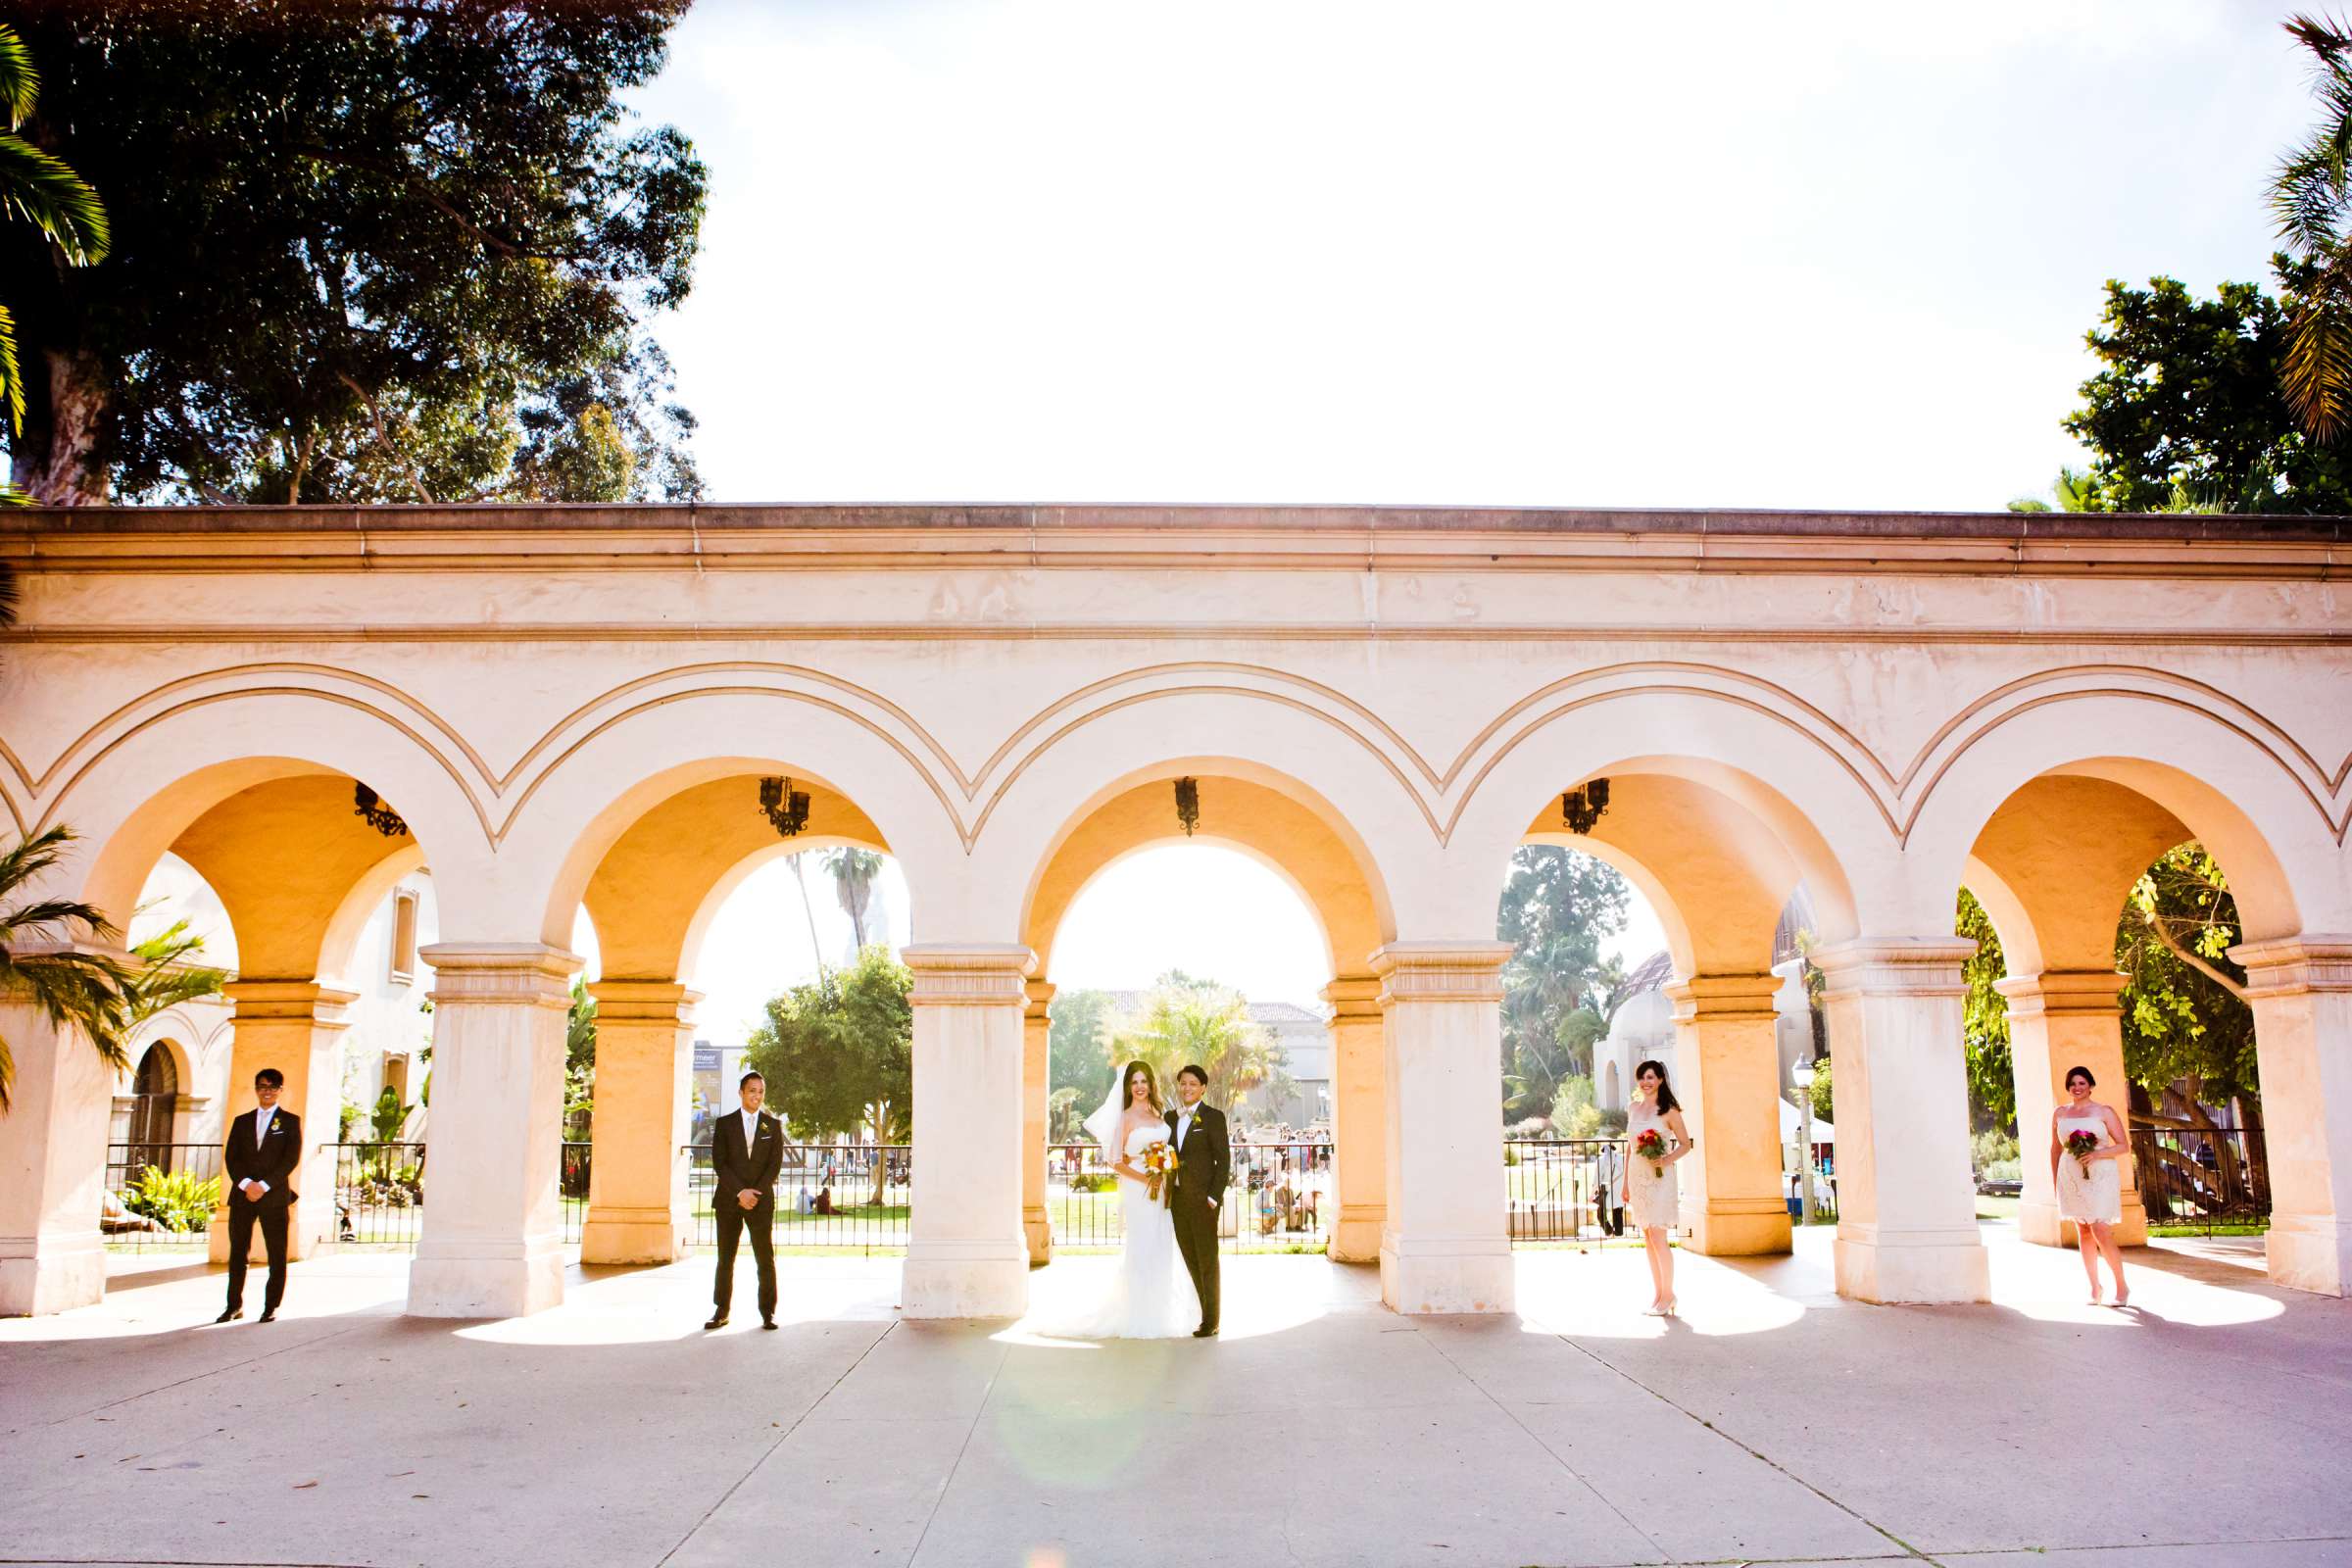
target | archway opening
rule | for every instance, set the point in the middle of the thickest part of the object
(2104, 921)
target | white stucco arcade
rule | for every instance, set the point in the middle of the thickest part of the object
(574, 706)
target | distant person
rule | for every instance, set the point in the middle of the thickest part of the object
(747, 1153)
(264, 1147)
(2091, 1184)
(1609, 1191)
(1651, 1193)
(824, 1199)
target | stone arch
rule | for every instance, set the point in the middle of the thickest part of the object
(1777, 788)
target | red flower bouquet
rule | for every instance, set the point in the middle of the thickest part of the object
(1651, 1145)
(2082, 1145)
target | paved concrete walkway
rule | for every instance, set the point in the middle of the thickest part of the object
(1772, 1423)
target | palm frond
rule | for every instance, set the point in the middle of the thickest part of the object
(27, 859)
(20, 82)
(12, 385)
(40, 188)
(2317, 374)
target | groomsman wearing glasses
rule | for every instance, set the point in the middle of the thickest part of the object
(747, 1153)
(264, 1145)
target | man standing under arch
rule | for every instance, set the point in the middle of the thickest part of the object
(264, 1147)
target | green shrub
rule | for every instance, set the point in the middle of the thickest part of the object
(1092, 1181)
(1510, 1153)
(1996, 1148)
(176, 1200)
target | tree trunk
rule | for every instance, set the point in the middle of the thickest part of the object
(56, 461)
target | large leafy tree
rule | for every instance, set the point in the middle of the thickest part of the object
(838, 1052)
(1078, 1047)
(2188, 411)
(87, 993)
(1558, 992)
(363, 250)
(41, 190)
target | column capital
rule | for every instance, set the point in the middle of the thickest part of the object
(1440, 971)
(1919, 967)
(1040, 997)
(982, 974)
(2062, 993)
(302, 999)
(1724, 996)
(644, 1000)
(1353, 997)
(500, 973)
(2291, 965)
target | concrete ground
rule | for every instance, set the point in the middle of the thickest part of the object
(2210, 1425)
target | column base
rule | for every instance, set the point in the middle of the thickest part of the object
(1444, 1276)
(1038, 1232)
(1356, 1238)
(2310, 1252)
(1920, 1267)
(481, 1279)
(2040, 1224)
(1745, 1230)
(619, 1235)
(42, 1275)
(952, 1280)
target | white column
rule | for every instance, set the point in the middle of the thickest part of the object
(1359, 1119)
(1906, 1206)
(492, 1241)
(637, 1208)
(2301, 992)
(52, 1164)
(297, 1027)
(965, 1252)
(1037, 1227)
(1728, 1074)
(1444, 1246)
(2058, 1020)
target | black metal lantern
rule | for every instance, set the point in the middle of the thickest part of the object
(1584, 806)
(1188, 804)
(369, 808)
(785, 807)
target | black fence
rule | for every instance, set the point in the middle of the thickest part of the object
(1557, 1188)
(2203, 1177)
(379, 1193)
(160, 1195)
(846, 1196)
(1281, 1197)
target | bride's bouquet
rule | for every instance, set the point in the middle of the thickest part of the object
(1159, 1171)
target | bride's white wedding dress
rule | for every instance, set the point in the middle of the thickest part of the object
(1152, 1297)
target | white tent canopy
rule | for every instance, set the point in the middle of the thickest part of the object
(1790, 1132)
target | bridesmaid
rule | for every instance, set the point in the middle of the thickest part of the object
(2091, 1187)
(1650, 1187)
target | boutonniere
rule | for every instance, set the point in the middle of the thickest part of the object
(270, 1126)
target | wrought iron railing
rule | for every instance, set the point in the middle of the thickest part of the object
(1559, 1189)
(379, 1193)
(2203, 1177)
(852, 1197)
(160, 1195)
(1279, 1198)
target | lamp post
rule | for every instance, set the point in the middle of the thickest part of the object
(1800, 1073)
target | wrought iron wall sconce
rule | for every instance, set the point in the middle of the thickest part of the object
(371, 808)
(1583, 807)
(1188, 804)
(785, 807)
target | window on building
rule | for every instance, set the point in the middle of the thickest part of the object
(403, 937)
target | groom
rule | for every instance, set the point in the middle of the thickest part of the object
(1203, 1165)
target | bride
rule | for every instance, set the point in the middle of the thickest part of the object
(1152, 1297)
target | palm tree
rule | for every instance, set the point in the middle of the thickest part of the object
(90, 991)
(2311, 198)
(1186, 1020)
(39, 188)
(168, 975)
(854, 872)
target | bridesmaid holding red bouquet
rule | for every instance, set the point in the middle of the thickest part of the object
(2086, 1138)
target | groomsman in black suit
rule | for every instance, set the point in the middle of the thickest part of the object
(1203, 1165)
(264, 1147)
(747, 1153)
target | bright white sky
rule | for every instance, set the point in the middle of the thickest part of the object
(1706, 254)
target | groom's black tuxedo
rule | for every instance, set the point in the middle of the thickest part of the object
(262, 1146)
(1203, 1165)
(737, 1164)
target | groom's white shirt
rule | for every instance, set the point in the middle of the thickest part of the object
(1184, 1124)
